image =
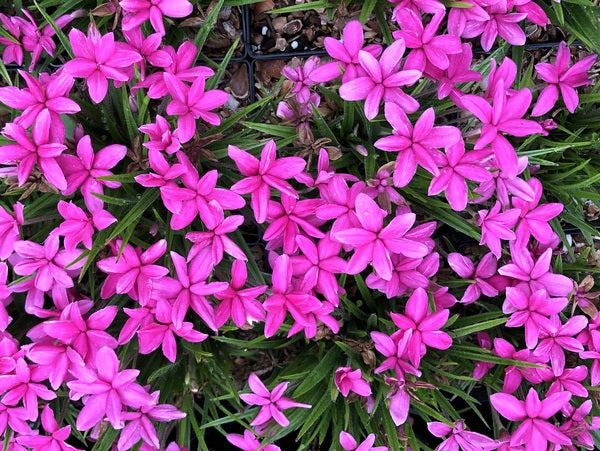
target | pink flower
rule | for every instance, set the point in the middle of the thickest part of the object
(460, 437)
(535, 430)
(49, 92)
(248, 442)
(264, 174)
(346, 52)
(514, 374)
(428, 47)
(422, 326)
(56, 439)
(383, 81)
(106, 391)
(415, 145)
(559, 338)
(347, 380)
(47, 262)
(272, 403)
(13, 52)
(40, 149)
(9, 229)
(192, 102)
(160, 136)
(133, 272)
(82, 170)
(562, 78)
(147, 47)
(499, 22)
(78, 226)
(98, 60)
(349, 443)
(496, 226)
(301, 76)
(138, 11)
(373, 242)
(239, 304)
(484, 279)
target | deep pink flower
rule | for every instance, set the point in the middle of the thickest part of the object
(148, 49)
(346, 52)
(484, 279)
(106, 391)
(459, 437)
(373, 242)
(139, 11)
(513, 375)
(340, 202)
(562, 78)
(496, 226)
(349, 443)
(427, 46)
(416, 145)
(47, 262)
(239, 304)
(272, 402)
(347, 380)
(160, 136)
(248, 442)
(261, 175)
(78, 226)
(301, 76)
(98, 60)
(82, 170)
(422, 325)
(192, 102)
(559, 338)
(9, 229)
(285, 299)
(577, 427)
(40, 149)
(55, 441)
(383, 81)
(133, 272)
(13, 52)
(499, 22)
(535, 431)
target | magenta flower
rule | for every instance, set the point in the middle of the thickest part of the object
(47, 262)
(536, 274)
(422, 326)
(373, 242)
(318, 265)
(382, 188)
(82, 170)
(50, 92)
(531, 311)
(239, 304)
(133, 272)
(285, 299)
(192, 102)
(415, 145)
(55, 441)
(513, 375)
(181, 67)
(577, 427)
(459, 437)
(288, 220)
(13, 52)
(428, 47)
(460, 167)
(85, 336)
(340, 202)
(5, 297)
(106, 391)
(9, 229)
(383, 81)
(496, 226)
(249, 442)
(40, 149)
(484, 279)
(139, 11)
(349, 443)
(535, 431)
(499, 22)
(562, 78)
(272, 402)
(160, 136)
(22, 385)
(301, 76)
(347, 380)
(162, 333)
(346, 52)
(98, 60)
(264, 174)
(559, 338)
(78, 226)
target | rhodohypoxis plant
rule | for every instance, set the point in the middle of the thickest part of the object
(103, 331)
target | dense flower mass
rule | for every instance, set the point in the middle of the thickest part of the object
(304, 242)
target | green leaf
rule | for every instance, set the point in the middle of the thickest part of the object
(477, 327)
(319, 372)
(61, 36)
(134, 215)
(367, 9)
(132, 129)
(207, 26)
(300, 7)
